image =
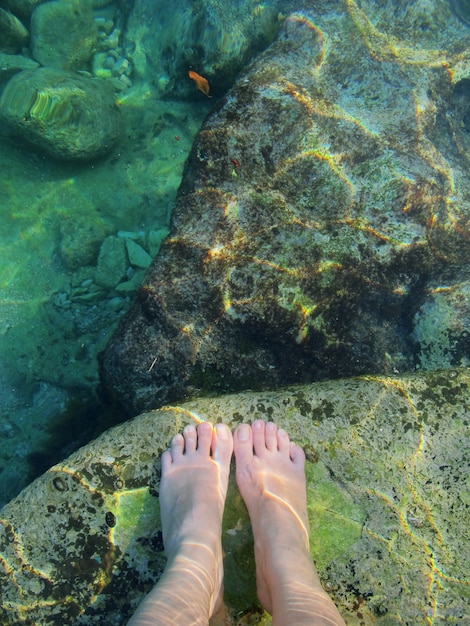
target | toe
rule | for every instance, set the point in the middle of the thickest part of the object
(190, 439)
(166, 461)
(271, 436)
(259, 437)
(297, 455)
(283, 442)
(176, 446)
(204, 438)
(222, 443)
(243, 445)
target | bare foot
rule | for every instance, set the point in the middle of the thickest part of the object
(193, 489)
(270, 472)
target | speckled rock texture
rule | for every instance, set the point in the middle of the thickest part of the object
(323, 213)
(68, 116)
(387, 473)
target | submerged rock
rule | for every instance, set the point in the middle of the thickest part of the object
(387, 465)
(323, 202)
(11, 64)
(64, 34)
(68, 116)
(22, 8)
(13, 35)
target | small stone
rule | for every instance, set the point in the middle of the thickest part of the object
(131, 285)
(112, 262)
(122, 66)
(155, 239)
(116, 304)
(138, 257)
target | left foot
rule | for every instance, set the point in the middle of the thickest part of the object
(193, 489)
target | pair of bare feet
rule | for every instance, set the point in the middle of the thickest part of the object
(270, 474)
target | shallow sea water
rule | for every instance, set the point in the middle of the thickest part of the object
(51, 325)
(54, 317)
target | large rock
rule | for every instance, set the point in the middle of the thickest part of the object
(13, 35)
(11, 64)
(64, 34)
(388, 498)
(22, 8)
(68, 116)
(323, 207)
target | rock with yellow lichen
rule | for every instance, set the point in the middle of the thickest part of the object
(387, 465)
(323, 208)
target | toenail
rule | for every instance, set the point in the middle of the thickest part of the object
(222, 431)
(189, 430)
(270, 426)
(282, 433)
(243, 432)
(258, 424)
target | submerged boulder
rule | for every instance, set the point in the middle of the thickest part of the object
(324, 203)
(69, 116)
(387, 474)
(13, 35)
(64, 34)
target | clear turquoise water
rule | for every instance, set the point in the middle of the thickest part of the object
(53, 322)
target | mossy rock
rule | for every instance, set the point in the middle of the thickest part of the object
(68, 116)
(388, 493)
(64, 34)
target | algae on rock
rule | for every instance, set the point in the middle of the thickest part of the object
(388, 496)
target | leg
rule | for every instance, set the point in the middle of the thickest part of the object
(193, 488)
(271, 479)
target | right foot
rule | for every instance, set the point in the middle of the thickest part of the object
(270, 473)
(271, 479)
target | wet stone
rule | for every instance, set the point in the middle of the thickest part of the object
(68, 116)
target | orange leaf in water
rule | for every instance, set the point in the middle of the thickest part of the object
(200, 82)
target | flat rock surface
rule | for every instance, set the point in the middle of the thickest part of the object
(388, 466)
(322, 225)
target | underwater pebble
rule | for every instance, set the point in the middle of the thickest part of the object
(112, 262)
(61, 300)
(122, 66)
(125, 81)
(90, 296)
(137, 255)
(131, 285)
(116, 304)
(127, 234)
(155, 239)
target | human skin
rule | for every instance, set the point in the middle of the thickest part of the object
(270, 474)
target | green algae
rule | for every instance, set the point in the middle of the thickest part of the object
(137, 514)
(387, 503)
(335, 519)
